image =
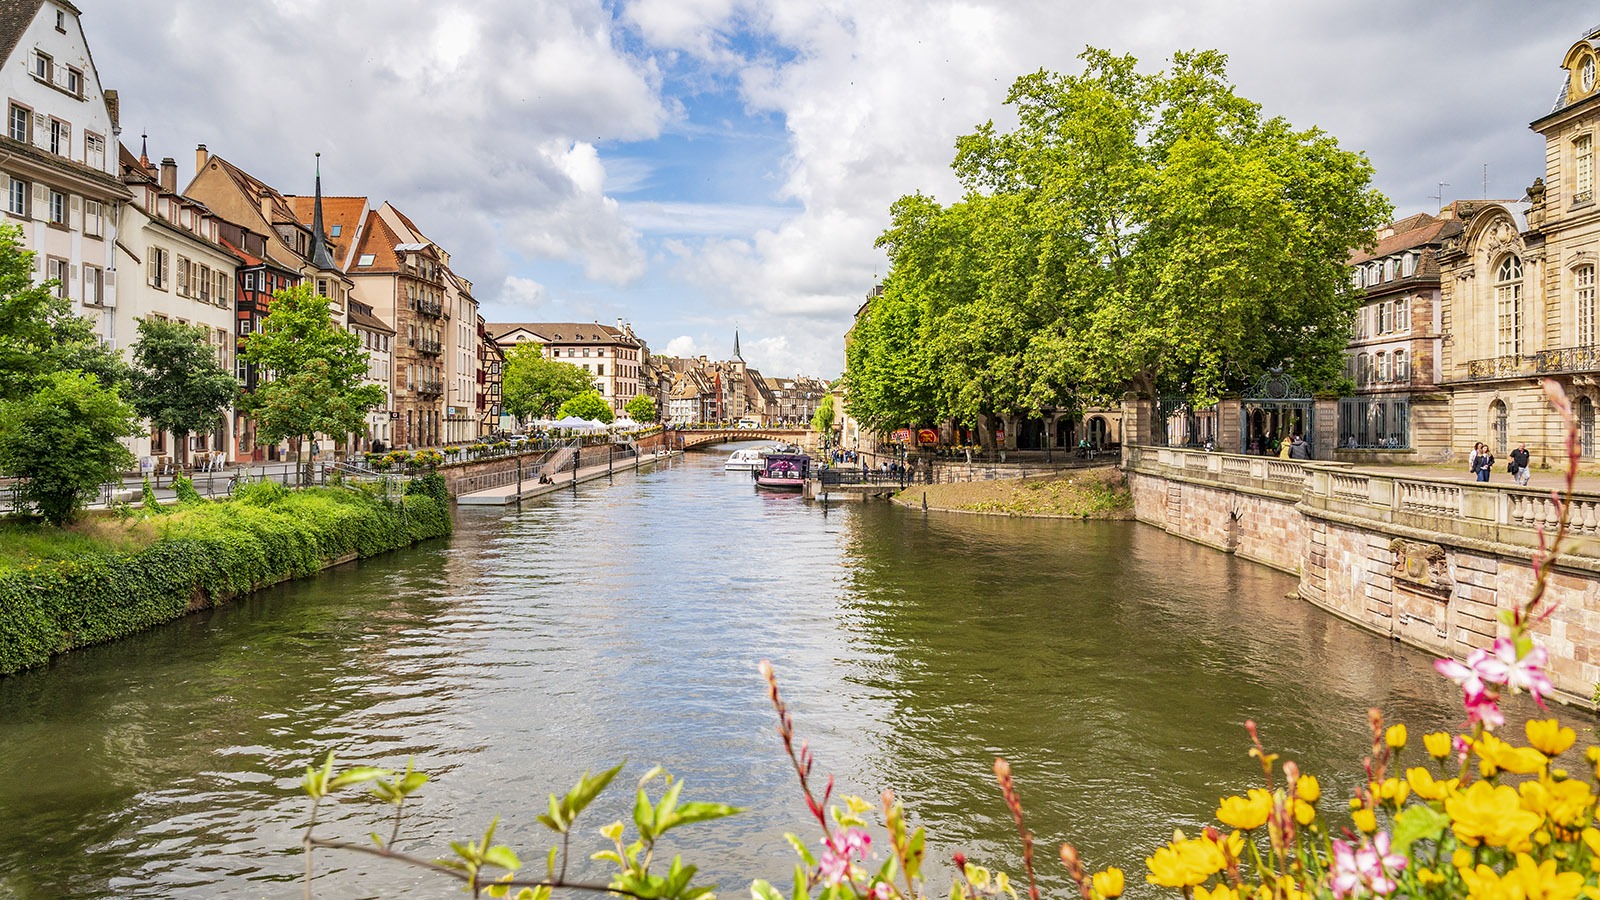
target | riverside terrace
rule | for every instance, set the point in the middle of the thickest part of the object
(1420, 554)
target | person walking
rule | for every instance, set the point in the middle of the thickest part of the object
(1482, 461)
(1283, 448)
(1299, 448)
(1519, 464)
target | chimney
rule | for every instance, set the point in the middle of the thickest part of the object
(201, 157)
(169, 175)
(619, 323)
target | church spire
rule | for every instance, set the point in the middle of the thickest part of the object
(736, 354)
(320, 257)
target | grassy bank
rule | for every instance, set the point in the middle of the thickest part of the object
(1100, 493)
(109, 577)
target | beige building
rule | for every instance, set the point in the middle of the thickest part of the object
(613, 356)
(1518, 288)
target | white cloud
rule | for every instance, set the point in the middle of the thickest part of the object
(519, 291)
(682, 345)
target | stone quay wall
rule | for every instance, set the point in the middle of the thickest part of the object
(1428, 561)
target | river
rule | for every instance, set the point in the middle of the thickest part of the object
(1114, 666)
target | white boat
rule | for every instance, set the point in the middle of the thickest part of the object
(748, 459)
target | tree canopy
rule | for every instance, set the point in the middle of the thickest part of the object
(39, 334)
(642, 408)
(1152, 232)
(63, 441)
(822, 419)
(587, 405)
(318, 371)
(176, 381)
(534, 386)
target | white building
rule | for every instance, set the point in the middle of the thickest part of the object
(612, 356)
(377, 339)
(188, 276)
(58, 172)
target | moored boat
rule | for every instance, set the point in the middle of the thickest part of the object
(783, 472)
(747, 459)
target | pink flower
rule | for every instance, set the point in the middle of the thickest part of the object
(1368, 869)
(1465, 675)
(1484, 708)
(1501, 666)
(834, 863)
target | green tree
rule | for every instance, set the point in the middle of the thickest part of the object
(39, 335)
(177, 382)
(317, 372)
(642, 408)
(822, 419)
(62, 442)
(534, 386)
(587, 405)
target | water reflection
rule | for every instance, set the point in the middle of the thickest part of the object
(1112, 663)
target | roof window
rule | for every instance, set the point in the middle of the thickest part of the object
(366, 258)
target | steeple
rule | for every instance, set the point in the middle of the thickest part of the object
(320, 257)
(736, 354)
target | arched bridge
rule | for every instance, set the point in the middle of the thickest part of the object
(698, 438)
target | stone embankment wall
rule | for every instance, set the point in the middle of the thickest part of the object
(475, 475)
(1427, 561)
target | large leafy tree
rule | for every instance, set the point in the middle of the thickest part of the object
(1147, 231)
(317, 371)
(587, 405)
(534, 386)
(177, 382)
(822, 419)
(62, 441)
(642, 408)
(39, 335)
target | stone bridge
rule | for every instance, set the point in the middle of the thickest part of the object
(698, 438)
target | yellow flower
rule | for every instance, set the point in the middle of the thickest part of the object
(1461, 858)
(1107, 884)
(1304, 813)
(1245, 813)
(1307, 788)
(1429, 877)
(1567, 804)
(1548, 737)
(1220, 892)
(1391, 791)
(1366, 820)
(1184, 863)
(1287, 889)
(1495, 755)
(1528, 879)
(1438, 744)
(1395, 737)
(1491, 814)
(1425, 786)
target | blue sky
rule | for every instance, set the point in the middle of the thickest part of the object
(693, 165)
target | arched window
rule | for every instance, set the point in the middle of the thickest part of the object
(1508, 306)
(1363, 369)
(1583, 294)
(1408, 265)
(1402, 370)
(1499, 426)
(1388, 270)
(1383, 366)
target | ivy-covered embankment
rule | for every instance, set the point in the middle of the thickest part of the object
(177, 560)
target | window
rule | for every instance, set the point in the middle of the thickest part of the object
(159, 262)
(94, 218)
(21, 124)
(1402, 372)
(1363, 366)
(1384, 325)
(322, 286)
(61, 21)
(17, 198)
(205, 284)
(1388, 270)
(1586, 74)
(74, 82)
(333, 231)
(58, 208)
(94, 285)
(224, 289)
(1508, 307)
(599, 368)
(1583, 292)
(56, 270)
(1408, 265)
(244, 326)
(183, 277)
(1583, 169)
(43, 66)
(366, 259)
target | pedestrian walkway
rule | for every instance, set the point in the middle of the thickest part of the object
(1539, 479)
(530, 488)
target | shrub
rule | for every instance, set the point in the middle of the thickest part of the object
(183, 486)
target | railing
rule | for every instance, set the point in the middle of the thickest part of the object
(1351, 487)
(1501, 367)
(434, 388)
(1429, 497)
(835, 477)
(1568, 359)
(430, 348)
(430, 308)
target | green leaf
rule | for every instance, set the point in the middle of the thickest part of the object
(502, 856)
(761, 890)
(357, 775)
(697, 811)
(801, 848)
(643, 815)
(1418, 823)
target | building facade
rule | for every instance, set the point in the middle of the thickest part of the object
(613, 357)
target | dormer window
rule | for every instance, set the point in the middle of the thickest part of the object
(1586, 74)
(1408, 265)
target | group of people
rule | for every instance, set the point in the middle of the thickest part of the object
(1294, 447)
(1481, 462)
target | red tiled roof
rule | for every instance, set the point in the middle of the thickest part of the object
(1423, 230)
(379, 240)
(342, 211)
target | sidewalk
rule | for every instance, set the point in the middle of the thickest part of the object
(1540, 479)
(530, 488)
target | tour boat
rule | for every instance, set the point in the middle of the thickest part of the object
(783, 472)
(746, 460)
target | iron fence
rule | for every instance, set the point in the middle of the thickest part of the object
(1375, 423)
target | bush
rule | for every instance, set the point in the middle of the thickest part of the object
(183, 486)
(206, 554)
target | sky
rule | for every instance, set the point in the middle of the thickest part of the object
(699, 166)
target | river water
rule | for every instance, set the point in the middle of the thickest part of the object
(1112, 664)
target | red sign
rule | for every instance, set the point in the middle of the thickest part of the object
(902, 436)
(927, 436)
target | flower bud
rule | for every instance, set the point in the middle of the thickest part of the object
(1395, 737)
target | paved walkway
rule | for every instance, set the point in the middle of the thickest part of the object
(507, 494)
(1542, 479)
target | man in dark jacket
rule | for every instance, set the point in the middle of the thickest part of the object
(1519, 464)
(1299, 449)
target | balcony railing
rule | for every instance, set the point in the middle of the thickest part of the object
(1501, 367)
(1569, 359)
(431, 348)
(430, 388)
(430, 308)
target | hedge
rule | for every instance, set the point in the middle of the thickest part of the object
(207, 553)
